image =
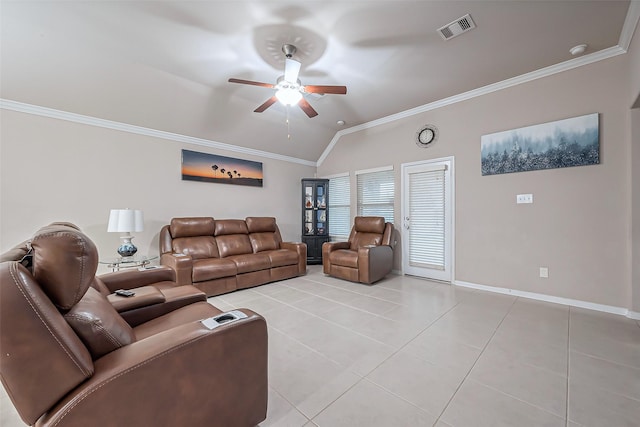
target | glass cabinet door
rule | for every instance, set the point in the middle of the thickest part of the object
(321, 209)
(315, 217)
(309, 204)
(314, 211)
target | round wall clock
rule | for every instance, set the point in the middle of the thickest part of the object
(426, 136)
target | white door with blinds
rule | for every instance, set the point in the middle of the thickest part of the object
(427, 214)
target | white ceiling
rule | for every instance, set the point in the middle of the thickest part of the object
(165, 64)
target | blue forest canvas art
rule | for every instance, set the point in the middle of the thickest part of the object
(559, 144)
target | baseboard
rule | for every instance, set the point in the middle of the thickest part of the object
(550, 298)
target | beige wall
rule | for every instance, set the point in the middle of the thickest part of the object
(634, 59)
(55, 170)
(635, 209)
(578, 226)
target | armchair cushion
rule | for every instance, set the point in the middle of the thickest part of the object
(64, 263)
(366, 231)
(98, 324)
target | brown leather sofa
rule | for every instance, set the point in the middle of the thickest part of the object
(366, 257)
(70, 359)
(220, 256)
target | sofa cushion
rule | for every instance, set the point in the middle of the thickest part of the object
(98, 324)
(261, 224)
(230, 226)
(233, 244)
(197, 247)
(282, 257)
(212, 268)
(251, 262)
(191, 227)
(264, 242)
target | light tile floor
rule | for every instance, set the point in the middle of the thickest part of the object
(411, 352)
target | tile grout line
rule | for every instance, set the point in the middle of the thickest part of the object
(363, 377)
(475, 362)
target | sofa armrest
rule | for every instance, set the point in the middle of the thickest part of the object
(374, 262)
(144, 296)
(217, 377)
(300, 249)
(181, 264)
(134, 278)
(329, 247)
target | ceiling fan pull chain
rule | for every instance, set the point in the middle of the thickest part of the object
(288, 125)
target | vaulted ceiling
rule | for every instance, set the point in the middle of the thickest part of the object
(165, 65)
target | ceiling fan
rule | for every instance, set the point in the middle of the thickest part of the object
(289, 90)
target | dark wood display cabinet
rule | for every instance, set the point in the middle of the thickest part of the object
(315, 217)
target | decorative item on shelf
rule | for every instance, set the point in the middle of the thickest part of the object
(426, 136)
(125, 221)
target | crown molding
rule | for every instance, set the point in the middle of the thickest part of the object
(629, 26)
(22, 107)
(514, 81)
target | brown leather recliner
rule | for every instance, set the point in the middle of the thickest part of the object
(69, 359)
(366, 257)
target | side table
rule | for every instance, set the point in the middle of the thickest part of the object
(115, 264)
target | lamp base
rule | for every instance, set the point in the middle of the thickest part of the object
(127, 248)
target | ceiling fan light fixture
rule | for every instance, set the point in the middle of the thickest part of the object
(288, 96)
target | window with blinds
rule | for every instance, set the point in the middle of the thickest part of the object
(339, 207)
(427, 213)
(376, 193)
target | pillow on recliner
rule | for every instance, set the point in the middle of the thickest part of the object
(98, 324)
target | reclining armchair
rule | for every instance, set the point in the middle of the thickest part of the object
(70, 359)
(366, 257)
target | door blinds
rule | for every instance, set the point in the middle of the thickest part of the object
(427, 219)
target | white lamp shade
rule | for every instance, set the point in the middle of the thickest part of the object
(125, 220)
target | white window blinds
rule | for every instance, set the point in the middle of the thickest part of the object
(376, 193)
(339, 207)
(427, 219)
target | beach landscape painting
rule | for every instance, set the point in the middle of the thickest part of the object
(224, 170)
(559, 144)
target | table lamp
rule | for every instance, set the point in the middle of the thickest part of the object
(125, 221)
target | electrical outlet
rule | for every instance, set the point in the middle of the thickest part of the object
(524, 198)
(544, 272)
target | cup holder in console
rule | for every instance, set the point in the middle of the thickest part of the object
(221, 319)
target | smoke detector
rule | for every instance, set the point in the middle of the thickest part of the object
(457, 27)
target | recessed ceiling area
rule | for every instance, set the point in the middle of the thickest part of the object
(165, 65)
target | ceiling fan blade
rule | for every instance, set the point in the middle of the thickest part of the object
(307, 108)
(251, 82)
(268, 103)
(291, 70)
(337, 90)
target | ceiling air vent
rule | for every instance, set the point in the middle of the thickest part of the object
(457, 27)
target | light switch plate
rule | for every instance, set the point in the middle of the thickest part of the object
(544, 272)
(524, 198)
